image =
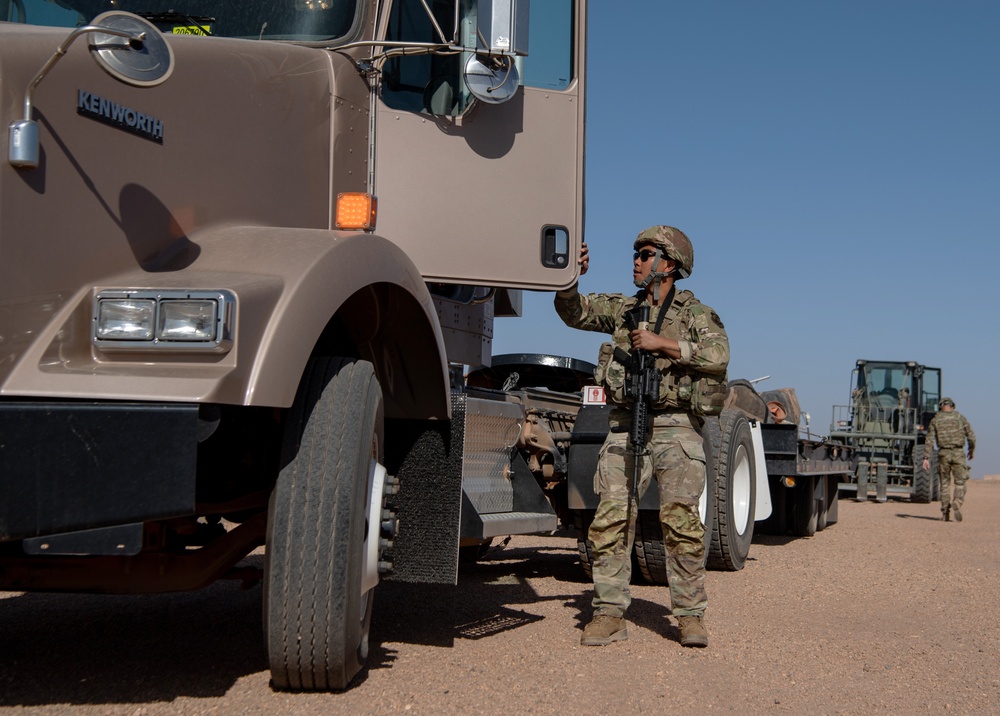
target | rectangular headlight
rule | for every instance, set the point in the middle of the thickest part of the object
(187, 320)
(170, 320)
(125, 319)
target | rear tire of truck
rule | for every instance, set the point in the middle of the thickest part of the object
(649, 552)
(649, 555)
(316, 617)
(923, 480)
(735, 476)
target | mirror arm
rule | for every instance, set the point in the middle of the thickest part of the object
(434, 22)
(63, 48)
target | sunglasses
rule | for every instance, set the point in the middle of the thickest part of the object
(644, 255)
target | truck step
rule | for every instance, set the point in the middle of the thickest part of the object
(514, 523)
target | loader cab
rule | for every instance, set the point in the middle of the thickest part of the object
(899, 396)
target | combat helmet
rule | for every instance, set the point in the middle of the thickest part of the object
(945, 401)
(674, 245)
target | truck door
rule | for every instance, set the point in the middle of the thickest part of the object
(474, 192)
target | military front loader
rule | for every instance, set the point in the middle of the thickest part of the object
(885, 424)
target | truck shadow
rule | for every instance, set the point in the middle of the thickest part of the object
(85, 649)
(493, 596)
(101, 649)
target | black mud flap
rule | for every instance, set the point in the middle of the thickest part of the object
(426, 457)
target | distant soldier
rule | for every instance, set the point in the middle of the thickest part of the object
(950, 430)
(691, 352)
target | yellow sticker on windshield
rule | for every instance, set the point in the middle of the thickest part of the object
(205, 30)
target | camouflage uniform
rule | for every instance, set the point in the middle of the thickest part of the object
(949, 430)
(676, 450)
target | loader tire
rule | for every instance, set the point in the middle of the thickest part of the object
(923, 480)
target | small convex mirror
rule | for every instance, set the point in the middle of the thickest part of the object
(492, 79)
(142, 60)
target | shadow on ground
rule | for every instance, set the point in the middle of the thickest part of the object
(97, 649)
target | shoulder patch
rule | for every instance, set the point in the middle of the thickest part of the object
(717, 320)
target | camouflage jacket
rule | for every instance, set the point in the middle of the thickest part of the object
(950, 430)
(700, 335)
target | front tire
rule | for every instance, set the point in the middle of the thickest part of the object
(317, 617)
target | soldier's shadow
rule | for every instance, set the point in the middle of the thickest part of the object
(903, 515)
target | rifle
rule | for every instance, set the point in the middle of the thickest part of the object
(642, 386)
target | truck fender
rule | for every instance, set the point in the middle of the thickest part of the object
(298, 292)
(357, 294)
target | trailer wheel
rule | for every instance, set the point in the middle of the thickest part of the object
(923, 480)
(735, 476)
(832, 499)
(317, 614)
(805, 512)
(822, 505)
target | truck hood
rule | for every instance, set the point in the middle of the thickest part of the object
(240, 134)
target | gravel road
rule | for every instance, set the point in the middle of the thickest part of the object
(888, 611)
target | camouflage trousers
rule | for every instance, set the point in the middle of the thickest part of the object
(677, 456)
(952, 466)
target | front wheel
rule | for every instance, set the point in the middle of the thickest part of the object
(317, 586)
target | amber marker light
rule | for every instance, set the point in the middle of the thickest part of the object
(356, 210)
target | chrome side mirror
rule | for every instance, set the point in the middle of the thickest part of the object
(502, 29)
(126, 46)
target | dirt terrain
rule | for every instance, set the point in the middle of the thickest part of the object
(888, 611)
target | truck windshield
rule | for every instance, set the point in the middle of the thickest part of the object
(294, 20)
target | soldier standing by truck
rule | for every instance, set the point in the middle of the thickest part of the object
(691, 353)
(950, 430)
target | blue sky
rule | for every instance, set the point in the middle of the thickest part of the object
(837, 167)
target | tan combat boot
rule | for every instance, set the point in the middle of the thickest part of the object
(957, 513)
(693, 632)
(946, 514)
(603, 630)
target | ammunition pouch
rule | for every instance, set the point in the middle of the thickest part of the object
(679, 388)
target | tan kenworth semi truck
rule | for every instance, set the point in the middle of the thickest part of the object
(247, 250)
(242, 243)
